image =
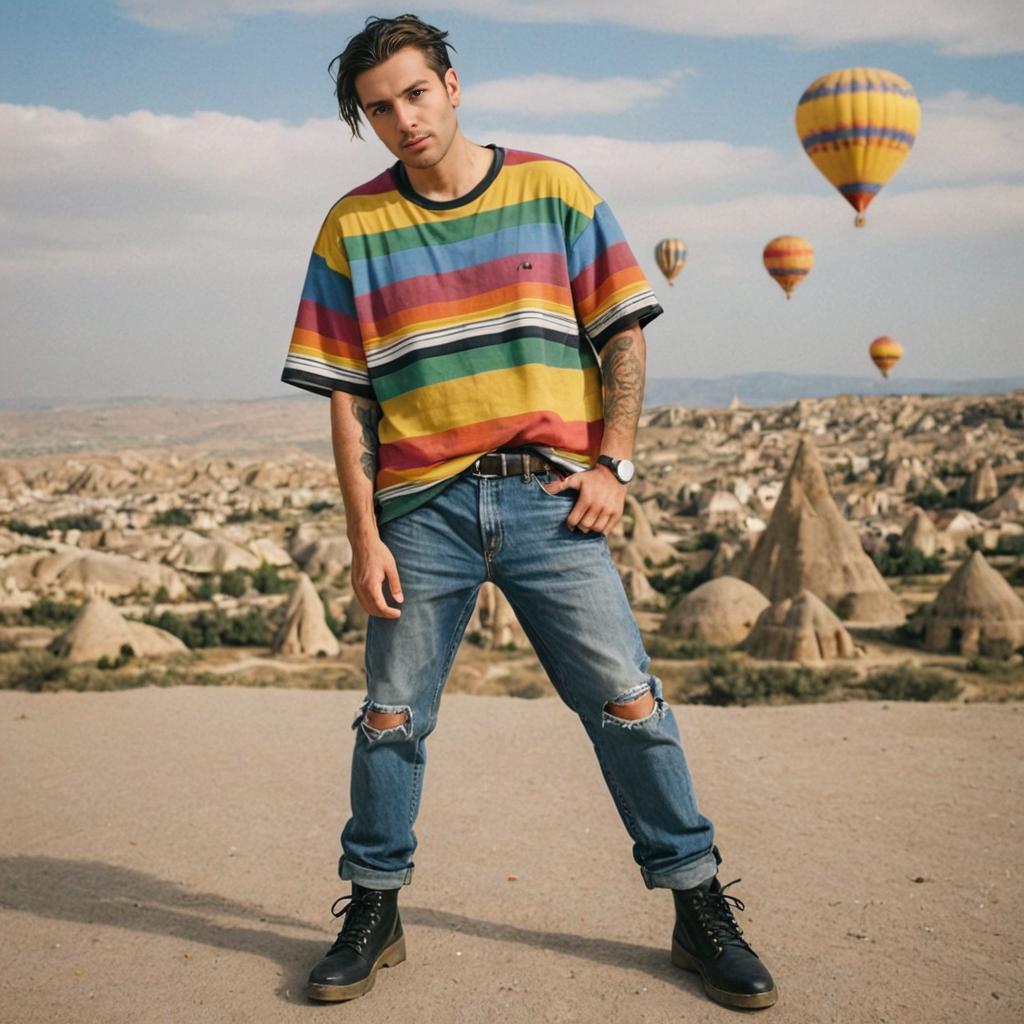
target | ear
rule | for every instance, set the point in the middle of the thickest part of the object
(453, 86)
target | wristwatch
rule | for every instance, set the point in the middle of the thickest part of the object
(623, 469)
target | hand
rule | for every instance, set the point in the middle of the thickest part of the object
(601, 501)
(375, 578)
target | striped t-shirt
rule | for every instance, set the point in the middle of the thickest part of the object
(473, 322)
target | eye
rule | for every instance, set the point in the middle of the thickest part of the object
(416, 93)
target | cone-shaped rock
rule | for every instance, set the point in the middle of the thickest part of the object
(100, 629)
(801, 628)
(643, 542)
(808, 545)
(976, 612)
(721, 611)
(304, 630)
(920, 533)
(982, 485)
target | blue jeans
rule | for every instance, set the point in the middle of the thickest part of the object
(568, 597)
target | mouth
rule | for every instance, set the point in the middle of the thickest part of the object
(418, 143)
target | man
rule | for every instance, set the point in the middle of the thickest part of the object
(452, 311)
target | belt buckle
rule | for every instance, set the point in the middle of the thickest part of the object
(504, 463)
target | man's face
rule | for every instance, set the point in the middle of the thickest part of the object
(411, 110)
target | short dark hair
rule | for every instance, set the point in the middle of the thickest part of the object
(381, 39)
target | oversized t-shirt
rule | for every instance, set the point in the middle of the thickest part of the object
(473, 323)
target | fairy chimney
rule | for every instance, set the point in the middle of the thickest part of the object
(304, 630)
(721, 611)
(976, 612)
(801, 628)
(808, 545)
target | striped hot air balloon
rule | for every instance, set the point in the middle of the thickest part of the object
(885, 353)
(670, 254)
(788, 259)
(858, 125)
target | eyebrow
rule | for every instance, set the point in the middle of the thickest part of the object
(407, 89)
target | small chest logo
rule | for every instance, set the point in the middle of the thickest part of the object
(525, 265)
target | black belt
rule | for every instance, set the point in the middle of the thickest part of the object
(510, 464)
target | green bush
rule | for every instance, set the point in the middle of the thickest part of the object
(240, 517)
(267, 580)
(7, 645)
(173, 517)
(727, 681)
(234, 583)
(35, 671)
(27, 529)
(47, 612)
(206, 589)
(675, 584)
(124, 656)
(1012, 544)
(930, 498)
(910, 562)
(996, 668)
(680, 650)
(162, 595)
(319, 506)
(911, 682)
(215, 629)
(80, 522)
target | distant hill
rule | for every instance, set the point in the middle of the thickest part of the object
(774, 388)
(696, 392)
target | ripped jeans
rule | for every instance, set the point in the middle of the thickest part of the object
(569, 599)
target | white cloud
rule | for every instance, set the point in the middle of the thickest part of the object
(644, 172)
(547, 96)
(966, 138)
(148, 253)
(968, 27)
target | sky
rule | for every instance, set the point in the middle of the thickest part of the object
(166, 167)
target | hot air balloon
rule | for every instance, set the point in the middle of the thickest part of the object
(858, 125)
(885, 353)
(788, 259)
(670, 254)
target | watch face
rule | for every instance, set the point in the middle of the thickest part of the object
(625, 470)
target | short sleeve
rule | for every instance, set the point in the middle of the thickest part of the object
(326, 351)
(609, 289)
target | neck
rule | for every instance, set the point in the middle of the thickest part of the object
(459, 171)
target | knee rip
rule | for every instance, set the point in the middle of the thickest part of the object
(633, 708)
(384, 721)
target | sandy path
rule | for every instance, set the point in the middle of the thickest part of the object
(168, 855)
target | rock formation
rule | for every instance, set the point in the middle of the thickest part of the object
(808, 545)
(801, 628)
(976, 612)
(721, 611)
(101, 630)
(920, 533)
(304, 630)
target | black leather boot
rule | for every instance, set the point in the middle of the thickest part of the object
(370, 938)
(708, 940)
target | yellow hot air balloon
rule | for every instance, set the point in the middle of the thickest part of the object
(788, 259)
(670, 254)
(885, 353)
(858, 125)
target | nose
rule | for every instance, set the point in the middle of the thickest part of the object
(406, 114)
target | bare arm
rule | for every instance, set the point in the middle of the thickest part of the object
(602, 498)
(354, 423)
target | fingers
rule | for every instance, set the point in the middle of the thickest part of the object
(378, 593)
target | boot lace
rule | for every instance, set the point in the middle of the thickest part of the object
(361, 914)
(714, 911)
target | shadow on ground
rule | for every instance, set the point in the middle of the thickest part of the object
(94, 893)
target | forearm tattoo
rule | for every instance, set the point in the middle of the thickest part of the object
(369, 418)
(622, 373)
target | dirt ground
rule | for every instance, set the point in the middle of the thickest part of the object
(169, 854)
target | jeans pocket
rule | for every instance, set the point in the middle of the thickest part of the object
(541, 479)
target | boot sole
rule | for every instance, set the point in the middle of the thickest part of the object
(390, 957)
(756, 1001)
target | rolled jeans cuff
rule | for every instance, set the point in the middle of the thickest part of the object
(687, 877)
(371, 878)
